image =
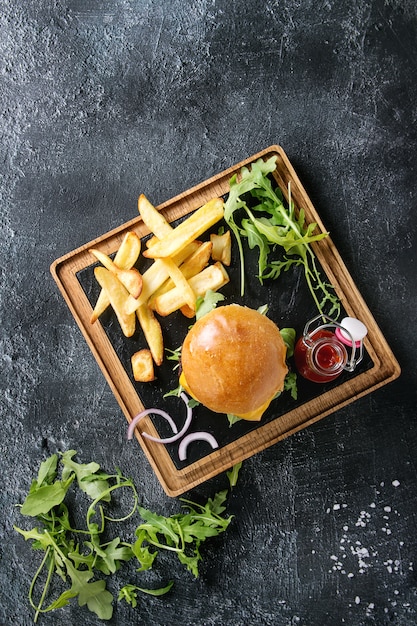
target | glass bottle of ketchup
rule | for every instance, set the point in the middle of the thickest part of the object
(321, 354)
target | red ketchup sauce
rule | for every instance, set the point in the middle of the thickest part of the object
(320, 356)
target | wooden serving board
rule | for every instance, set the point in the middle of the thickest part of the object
(73, 274)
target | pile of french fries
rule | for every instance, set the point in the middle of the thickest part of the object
(180, 273)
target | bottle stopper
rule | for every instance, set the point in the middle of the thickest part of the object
(356, 331)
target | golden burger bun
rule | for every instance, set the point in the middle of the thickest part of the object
(233, 361)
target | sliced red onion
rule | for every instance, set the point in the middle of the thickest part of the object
(183, 430)
(146, 412)
(198, 436)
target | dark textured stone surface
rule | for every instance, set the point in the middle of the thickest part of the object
(103, 100)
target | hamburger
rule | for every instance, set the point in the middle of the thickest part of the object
(233, 361)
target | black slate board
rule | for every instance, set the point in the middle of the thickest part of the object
(289, 303)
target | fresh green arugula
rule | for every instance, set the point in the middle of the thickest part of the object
(174, 355)
(182, 533)
(290, 384)
(290, 381)
(255, 211)
(233, 474)
(289, 335)
(81, 557)
(129, 593)
(207, 303)
(75, 562)
(232, 419)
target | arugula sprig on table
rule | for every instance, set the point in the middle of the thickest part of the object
(182, 533)
(82, 557)
(255, 211)
(74, 561)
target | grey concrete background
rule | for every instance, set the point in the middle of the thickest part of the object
(101, 101)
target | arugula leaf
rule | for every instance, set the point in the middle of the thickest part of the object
(158, 524)
(217, 505)
(142, 552)
(174, 355)
(288, 335)
(63, 555)
(81, 564)
(42, 499)
(233, 419)
(97, 598)
(79, 578)
(35, 534)
(60, 602)
(267, 223)
(113, 554)
(48, 470)
(208, 303)
(233, 474)
(181, 533)
(90, 480)
(290, 384)
(129, 592)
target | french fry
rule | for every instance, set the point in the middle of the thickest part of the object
(222, 248)
(186, 232)
(152, 241)
(179, 274)
(191, 266)
(142, 366)
(180, 282)
(187, 312)
(152, 331)
(131, 279)
(153, 219)
(155, 276)
(117, 295)
(125, 258)
(212, 277)
(128, 252)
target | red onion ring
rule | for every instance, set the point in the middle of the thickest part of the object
(183, 430)
(202, 435)
(146, 412)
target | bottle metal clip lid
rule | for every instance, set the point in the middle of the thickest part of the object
(349, 331)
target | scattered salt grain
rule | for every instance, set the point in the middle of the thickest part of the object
(370, 608)
(364, 517)
(362, 553)
(396, 483)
